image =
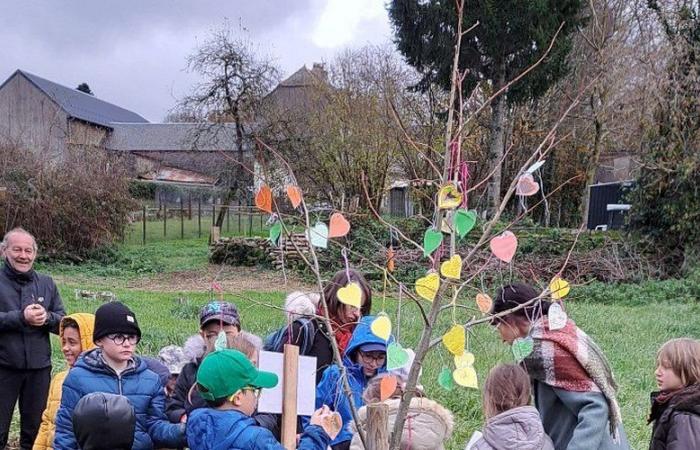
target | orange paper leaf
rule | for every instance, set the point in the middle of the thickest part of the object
(263, 199)
(339, 226)
(294, 194)
(390, 262)
(387, 387)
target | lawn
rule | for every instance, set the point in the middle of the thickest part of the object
(629, 322)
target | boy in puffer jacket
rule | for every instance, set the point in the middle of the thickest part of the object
(114, 368)
(230, 385)
(365, 358)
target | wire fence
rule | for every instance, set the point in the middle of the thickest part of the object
(188, 220)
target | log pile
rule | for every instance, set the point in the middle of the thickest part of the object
(288, 251)
(241, 251)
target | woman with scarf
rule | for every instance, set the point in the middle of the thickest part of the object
(573, 385)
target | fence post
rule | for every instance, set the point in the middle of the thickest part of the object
(189, 206)
(377, 426)
(165, 220)
(261, 222)
(199, 216)
(213, 212)
(238, 211)
(182, 218)
(228, 215)
(144, 224)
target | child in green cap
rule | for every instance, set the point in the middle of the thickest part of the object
(230, 385)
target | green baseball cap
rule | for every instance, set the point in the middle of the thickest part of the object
(225, 372)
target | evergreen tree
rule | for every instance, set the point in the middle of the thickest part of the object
(511, 35)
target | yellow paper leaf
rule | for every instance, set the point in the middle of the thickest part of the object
(428, 286)
(452, 268)
(351, 295)
(559, 288)
(454, 340)
(381, 327)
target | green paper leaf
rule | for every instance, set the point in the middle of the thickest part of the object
(445, 379)
(221, 342)
(396, 356)
(522, 347)
(431, 241)
(275, 233)
(464, 221)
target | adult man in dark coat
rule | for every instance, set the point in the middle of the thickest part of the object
(30, 308)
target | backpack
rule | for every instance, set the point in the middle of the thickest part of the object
(275, 341)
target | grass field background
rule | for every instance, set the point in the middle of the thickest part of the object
(629, 322)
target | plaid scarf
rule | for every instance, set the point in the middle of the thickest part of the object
(569, 359)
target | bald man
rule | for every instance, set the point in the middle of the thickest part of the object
(30, 309)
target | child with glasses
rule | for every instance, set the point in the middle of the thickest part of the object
(114, 368)
(231, 384)
(365, 358)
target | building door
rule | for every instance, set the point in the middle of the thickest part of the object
(397, 202)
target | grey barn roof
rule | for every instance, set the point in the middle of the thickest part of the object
(83, 106)
(171, 137)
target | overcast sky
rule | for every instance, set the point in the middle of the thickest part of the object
(132, 52)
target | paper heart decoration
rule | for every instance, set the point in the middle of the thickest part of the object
(332, 423)
(504, 246)
(454, 340)
(339, 226)
(449, 197)
(464, 221)
(396, 356)
(221, 341)
(294, 195)
(318, 235)
(263, 199)
(431, 241)
(452, 268)
(466, 376)
(351, 295)
(535, 166)
(445, 379)
(522, 347)
(428, 286)
(466, 359)
(387, 387)
(556, 317)
(484, 302)
(526, 185)
(559, 288)
(390, 259)
(381, 326)
(275, 233)
(445, 227)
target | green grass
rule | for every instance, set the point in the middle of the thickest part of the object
(628, 321)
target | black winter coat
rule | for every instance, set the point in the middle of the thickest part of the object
(178, 404)
(23, 346)
(676, 420)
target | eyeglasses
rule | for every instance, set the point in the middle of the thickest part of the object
(377, 357)
(119, 339)
(254, 390)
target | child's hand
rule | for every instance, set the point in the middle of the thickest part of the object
(328, 420)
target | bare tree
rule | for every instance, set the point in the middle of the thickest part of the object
(235, 78)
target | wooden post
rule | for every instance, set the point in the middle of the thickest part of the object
(199, 216)
(165, 220)
(289, 396)
(145, 211)
(189, 206)
(377, 426)
(182, 218)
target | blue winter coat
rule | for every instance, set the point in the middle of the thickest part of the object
(330, 390)
(213, 429)
(140, 385)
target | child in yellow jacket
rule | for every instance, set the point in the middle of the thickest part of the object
(76, 337)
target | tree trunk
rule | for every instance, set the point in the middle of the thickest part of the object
(496, 146)
(237, 171)
(593, 161)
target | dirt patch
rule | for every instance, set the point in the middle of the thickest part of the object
(232, 279)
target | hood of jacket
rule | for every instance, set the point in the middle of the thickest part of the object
(195, 348)
(516, 429)
(103, 420)
(363, 335)
(86, 325)
(93, 361)
(430, 423)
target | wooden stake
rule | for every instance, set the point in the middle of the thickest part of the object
(378, 426)
(215, 235)
(289, 396)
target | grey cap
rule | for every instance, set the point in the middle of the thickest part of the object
(174, 358)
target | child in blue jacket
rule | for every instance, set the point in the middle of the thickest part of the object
(365, 357)
(114, 368)
(230, 385)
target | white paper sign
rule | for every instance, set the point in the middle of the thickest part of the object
(271, 399)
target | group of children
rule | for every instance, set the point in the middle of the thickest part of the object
(112, 398)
